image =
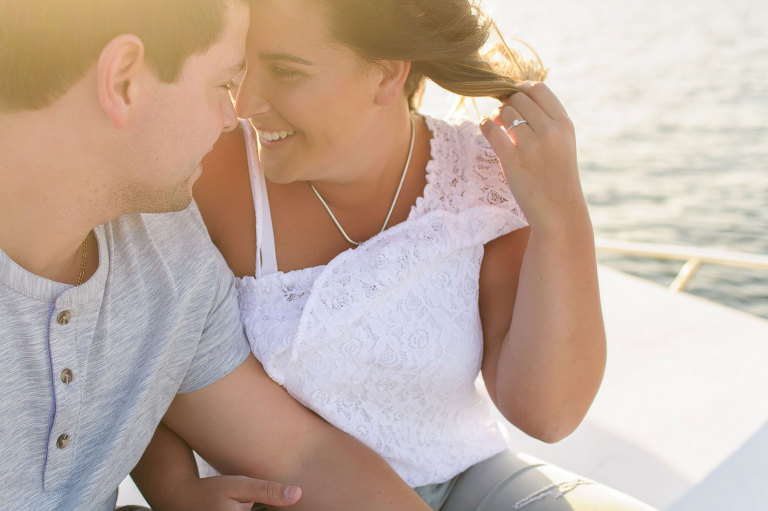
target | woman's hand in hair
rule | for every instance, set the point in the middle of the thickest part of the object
(539, 156)
(555, 316)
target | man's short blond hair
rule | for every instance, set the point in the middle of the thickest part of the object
(47, 45)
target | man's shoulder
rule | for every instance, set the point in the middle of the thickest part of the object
(175, 243)
(179, 230)
(176, 230)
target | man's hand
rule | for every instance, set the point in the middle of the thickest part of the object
(235, 493)
(167, 476)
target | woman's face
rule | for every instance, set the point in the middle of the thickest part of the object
(310, 99)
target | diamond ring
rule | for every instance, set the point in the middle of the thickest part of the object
(516, 123)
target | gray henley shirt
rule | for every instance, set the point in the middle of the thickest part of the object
(90, 370)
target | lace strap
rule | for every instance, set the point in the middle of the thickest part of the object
(266, 256)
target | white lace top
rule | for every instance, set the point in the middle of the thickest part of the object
(385, 341)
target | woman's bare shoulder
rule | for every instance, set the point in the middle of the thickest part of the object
(221, 167)
(223, 195)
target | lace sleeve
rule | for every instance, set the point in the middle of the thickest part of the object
(484, 173)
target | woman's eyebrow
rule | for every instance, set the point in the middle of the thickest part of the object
(285, 56)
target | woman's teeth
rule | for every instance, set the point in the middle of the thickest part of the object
(272, 136)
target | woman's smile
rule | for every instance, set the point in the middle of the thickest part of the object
(274, 137)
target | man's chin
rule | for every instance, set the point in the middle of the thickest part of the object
(179, 200)
(180, 205)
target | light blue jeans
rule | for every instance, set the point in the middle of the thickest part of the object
(510, 482)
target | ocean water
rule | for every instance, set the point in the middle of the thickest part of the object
(670, 104)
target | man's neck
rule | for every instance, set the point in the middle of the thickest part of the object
(44, 191)
(45, 245)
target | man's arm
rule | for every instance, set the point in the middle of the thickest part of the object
(246, 424)
(167, 477)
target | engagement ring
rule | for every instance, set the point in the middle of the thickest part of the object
(516, 123)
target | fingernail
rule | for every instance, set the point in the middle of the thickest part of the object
(290, 492)
(487, 121)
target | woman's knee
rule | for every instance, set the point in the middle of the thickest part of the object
(511, 481)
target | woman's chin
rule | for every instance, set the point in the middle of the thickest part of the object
(275, 172)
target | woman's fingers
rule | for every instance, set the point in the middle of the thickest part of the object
(515, 125)
(536, 104)
(500, 141)
(542, 97)
(526, 109)
(538, 156)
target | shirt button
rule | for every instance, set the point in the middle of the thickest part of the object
(62, 441)
(67, 376)
(64, 317)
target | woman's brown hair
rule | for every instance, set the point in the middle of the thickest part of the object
(442, 39)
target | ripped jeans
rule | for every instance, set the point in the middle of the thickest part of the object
(512, 482)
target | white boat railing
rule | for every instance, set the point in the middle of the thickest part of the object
(693, 257)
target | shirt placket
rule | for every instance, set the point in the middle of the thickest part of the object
(64, 325)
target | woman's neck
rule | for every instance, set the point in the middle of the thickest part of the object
(372, 174)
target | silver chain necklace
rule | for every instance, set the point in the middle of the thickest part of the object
(391, 207)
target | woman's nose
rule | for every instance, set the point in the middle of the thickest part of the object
(249, 101)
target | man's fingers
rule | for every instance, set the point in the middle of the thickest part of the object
(271, 493)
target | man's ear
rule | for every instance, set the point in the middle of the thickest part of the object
(394, 74)
(117, 70)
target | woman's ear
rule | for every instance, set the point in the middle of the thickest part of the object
(120, 63)
(394, 74)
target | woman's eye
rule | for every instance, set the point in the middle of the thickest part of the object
(232, 85)
(284, 72)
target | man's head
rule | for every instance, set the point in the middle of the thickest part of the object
(47, 45)
(144, 84)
